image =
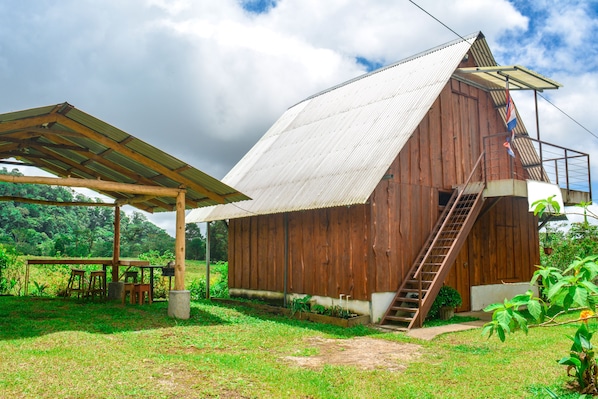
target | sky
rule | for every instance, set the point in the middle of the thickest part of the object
(204, 79)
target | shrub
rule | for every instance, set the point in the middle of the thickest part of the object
(447, 296)
(10, 270)
(218, 283)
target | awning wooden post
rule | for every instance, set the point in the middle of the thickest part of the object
(116, 247)
(179, 256)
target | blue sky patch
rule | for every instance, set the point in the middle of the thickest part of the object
(368, 64)
(258, 6)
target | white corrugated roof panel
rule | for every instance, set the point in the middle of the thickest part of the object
(333, 148)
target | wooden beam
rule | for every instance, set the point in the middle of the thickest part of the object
(134, 200)
(78, 172)
(55, 203)
(49, 132)
(20, 124)
(116, 244)
(99, 158)
(63, 120)
(41, 144)
(94, 184)
(179, 254)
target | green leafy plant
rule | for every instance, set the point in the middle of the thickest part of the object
(301, 304)
(549, 204)
(340, 312)
(319, 309)
(447, 297)
(39, 289)
(508, 316)
(218, 283)
(581, 362)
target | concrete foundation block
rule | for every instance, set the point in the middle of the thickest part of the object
(179, 304)
(115, 290)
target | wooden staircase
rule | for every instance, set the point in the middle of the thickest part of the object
(420, 287)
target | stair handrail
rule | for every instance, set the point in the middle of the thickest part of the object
(460, 189)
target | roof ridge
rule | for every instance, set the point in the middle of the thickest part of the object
(466, 38)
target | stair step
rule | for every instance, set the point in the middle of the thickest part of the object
(406, 299)
(432, 258)
(414, 282)
(404, 309)
(399, 318)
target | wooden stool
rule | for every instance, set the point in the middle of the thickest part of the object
(130, 288)
(97, 284)
(79, 288)
(140, 290)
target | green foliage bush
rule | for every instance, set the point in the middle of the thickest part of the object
(218, 283)
(447, 296)
(8, 263)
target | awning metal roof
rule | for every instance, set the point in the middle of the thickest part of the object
(495, 77)
(66, 142)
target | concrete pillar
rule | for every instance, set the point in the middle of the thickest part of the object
(179, 304)
(115, 290)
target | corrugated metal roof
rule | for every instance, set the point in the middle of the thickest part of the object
(495, 78)
(65, 141)
(333, 148)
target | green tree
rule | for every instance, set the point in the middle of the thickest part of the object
(219, 241)
(195, 243)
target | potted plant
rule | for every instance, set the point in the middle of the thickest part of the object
(446, 302)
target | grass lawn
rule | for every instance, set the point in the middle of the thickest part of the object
(66, 348)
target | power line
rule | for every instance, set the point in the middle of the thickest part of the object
(568, 116)
(437, 20)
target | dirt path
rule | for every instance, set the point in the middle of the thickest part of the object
(362, 352)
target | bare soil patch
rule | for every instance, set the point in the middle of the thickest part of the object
(362, 352)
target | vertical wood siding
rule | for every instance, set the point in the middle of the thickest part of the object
(369, 248)
(501, 248)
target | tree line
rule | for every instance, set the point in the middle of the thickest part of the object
(83, 231)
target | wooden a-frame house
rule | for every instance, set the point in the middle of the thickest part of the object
(378, 191)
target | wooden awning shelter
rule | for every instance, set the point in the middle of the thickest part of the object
(83, 151)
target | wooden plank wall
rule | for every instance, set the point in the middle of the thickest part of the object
(369, 248)
(328, 252)
(501, 248)
(440, 155)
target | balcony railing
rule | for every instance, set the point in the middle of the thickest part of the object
(542, 161)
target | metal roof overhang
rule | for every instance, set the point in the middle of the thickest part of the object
(495, 77)
(71, 144)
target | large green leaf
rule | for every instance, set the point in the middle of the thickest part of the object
(493, 307)
(504, 319)
(535, 309)
(590, 286)
(501, 333)
(521, 321)
(580, 296)
(488, 329)
(570, 361)
(556, 290)
(522, 299)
